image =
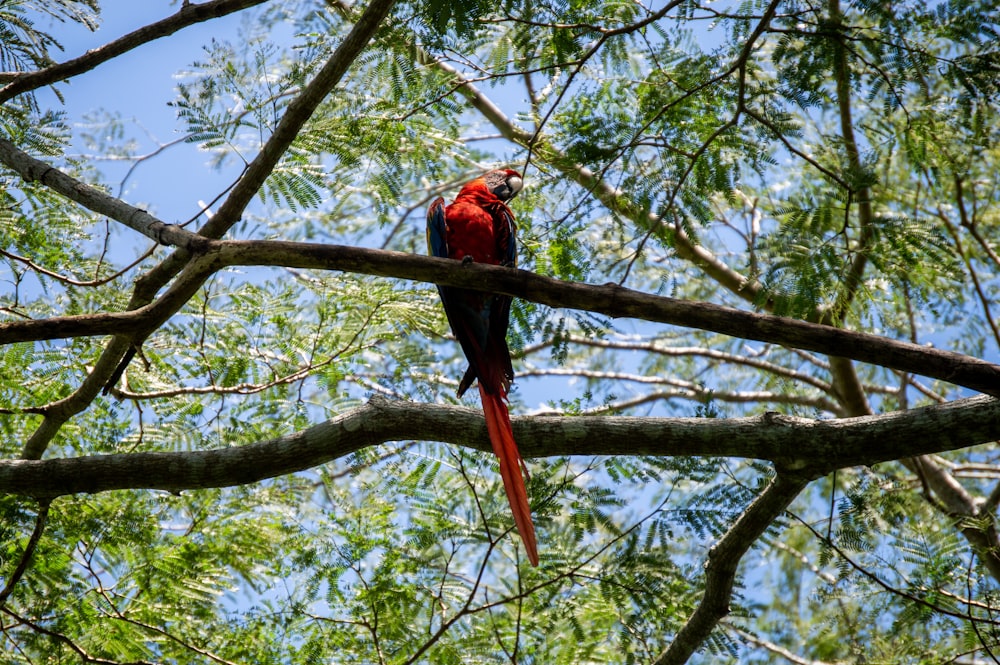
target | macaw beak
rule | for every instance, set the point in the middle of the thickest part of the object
(515, 184)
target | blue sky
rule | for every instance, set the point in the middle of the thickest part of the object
(138, 86)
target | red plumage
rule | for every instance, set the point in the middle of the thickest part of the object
(479, 226)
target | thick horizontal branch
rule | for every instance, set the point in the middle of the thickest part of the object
(806, 448)
(609, 299)
(189, 14)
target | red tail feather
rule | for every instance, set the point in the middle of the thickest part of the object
(502, 439)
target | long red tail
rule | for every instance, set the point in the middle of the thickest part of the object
(502, 440)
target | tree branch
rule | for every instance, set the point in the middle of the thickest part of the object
(697, 351)
(188, 15)
(62, 638)
(296, 115)
(775, 649)
(809, 448)
(29, 551)
(735, 397)
(979, 528)
(609, 299)
(723, 559)
(92, 198)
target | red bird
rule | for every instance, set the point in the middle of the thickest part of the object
(479, 227)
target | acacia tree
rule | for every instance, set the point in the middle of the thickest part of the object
(758, 439)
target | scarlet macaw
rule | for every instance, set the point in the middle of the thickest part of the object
(478, 226)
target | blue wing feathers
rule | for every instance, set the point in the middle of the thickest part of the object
(437, 231)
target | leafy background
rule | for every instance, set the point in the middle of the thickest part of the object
(834, 163)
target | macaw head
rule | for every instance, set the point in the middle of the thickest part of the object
(503, 183)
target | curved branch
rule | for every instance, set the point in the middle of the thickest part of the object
(188, 15)
(657, 348)
(723, 560)
(29, 551)
(734, 397)
(809, 448)
(65, 639)
(959, 505)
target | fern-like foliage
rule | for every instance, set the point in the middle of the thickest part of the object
(23, 46)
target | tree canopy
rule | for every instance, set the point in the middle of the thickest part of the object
(755, 329)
